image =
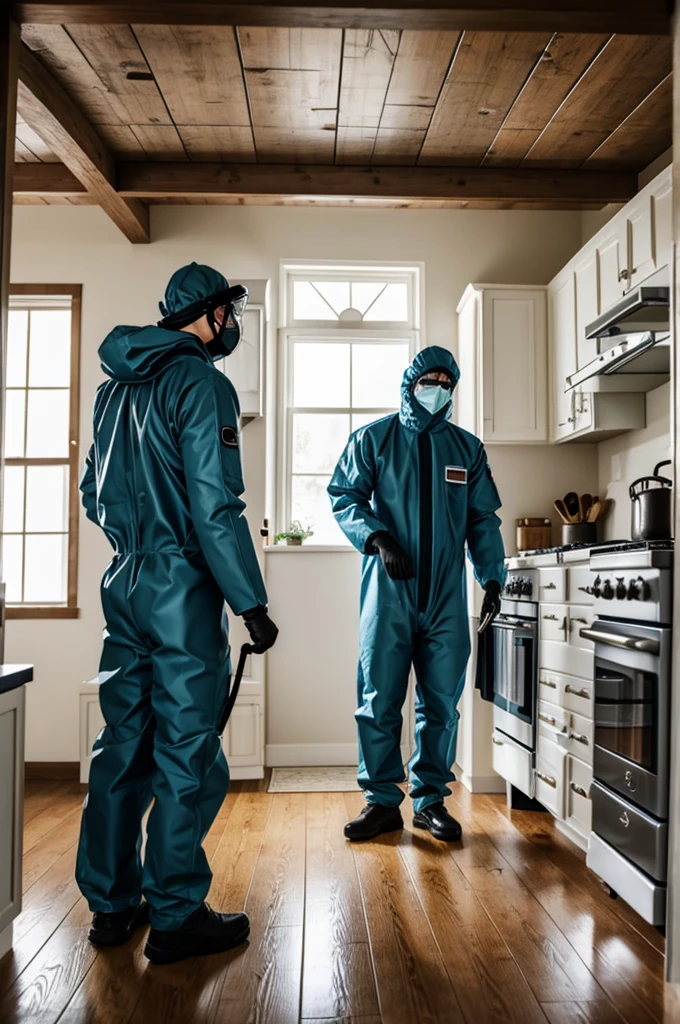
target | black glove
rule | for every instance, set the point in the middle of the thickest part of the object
(263, 632)
(394, 558)
(491, 605)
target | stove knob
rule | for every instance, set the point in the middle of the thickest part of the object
(644, 589)
(526, 587)
(632, 591)
(607, 591)
(621, 592)
(597, 587)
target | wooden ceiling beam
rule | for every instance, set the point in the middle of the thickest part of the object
(153, 181)
(630, 16)
(52, 114)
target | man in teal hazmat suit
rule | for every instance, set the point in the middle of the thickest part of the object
(410, 491)
(163, 480)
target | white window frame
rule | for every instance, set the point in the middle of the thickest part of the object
(335, 332)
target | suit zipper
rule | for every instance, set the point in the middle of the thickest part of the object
(425, 552)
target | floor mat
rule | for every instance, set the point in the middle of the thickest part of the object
(313, 780)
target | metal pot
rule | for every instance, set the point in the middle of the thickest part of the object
(651, 509)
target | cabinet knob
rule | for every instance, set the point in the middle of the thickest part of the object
(624, 275)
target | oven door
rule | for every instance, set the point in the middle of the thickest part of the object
(515, 658)
(632, 680)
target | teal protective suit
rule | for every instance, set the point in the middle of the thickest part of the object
(163, 480)
(428, 483)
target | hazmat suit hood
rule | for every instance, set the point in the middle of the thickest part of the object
(413, 415)
(136, 354)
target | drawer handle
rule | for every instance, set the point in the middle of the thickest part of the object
(579, 790)
(624, 819)
(549, 586)
(547, 682)
(584, 622)
(550, 618)
(547, 779)
(579, 737)
(499, 743)
(550, 719)
(577, 693)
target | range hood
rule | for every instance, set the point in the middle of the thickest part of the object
(644, 309)
(633, 342)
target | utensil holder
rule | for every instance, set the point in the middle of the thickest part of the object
(579, 533)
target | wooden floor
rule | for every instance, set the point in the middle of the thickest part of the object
(508, 926)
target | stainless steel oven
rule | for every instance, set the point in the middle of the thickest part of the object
(515, 665)
(631, 756)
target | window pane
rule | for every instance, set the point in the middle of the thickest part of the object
(311, 505)
(320, 375)
(308, 304)
(377, 371)
(45, 572)
(318, 441)
(392, 304)
(361, 419)
(50, 348)
(13, 511)
(364, 293)
(47, 499)
(15, 424)
(336, 294)
(47, 435)
(12, 557)
(17, 340)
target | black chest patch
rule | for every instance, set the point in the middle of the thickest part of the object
(229, 436)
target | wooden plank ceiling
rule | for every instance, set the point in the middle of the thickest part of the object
(362, 97)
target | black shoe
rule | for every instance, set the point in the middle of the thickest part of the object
(437, 820)
(373, 821)
(116, 929)
(205, 931)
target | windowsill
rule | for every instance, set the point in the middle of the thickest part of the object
(313, 549)
(41, 612)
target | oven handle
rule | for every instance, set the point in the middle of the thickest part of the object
(514, 625)
(628, 643)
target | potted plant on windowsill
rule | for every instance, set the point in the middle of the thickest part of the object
(294, 535)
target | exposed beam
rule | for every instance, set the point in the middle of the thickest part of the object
(155, 181)
(650, 18)
(50, 111)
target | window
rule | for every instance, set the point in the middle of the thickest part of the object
(349, 333)
(40, 513)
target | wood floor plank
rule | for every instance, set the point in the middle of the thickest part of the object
(69, 799)
(54, 974)
(599, 1011)
(412, 981)
(217, 829)
(264, 982)
(485, 976)
(627, 969)
(48, 851)
(338, 976)
(41, 798)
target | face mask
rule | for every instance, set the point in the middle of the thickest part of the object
(433, 398)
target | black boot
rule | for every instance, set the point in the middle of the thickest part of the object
(437, 820)
(115, 929)
(373, 821)
(205, 931)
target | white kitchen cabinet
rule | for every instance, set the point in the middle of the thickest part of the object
(562, 301)
(611, 251)
(578, 809)
(12, 712)
(512, 762)
(502, 343)
(587, 304)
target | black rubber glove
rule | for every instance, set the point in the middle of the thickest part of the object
(263, 632)
(491, 605)
(394, 558)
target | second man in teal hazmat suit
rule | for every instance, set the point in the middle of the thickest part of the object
(410, 492)
(164, 482)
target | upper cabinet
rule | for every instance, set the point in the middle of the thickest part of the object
(634, 245)
(502, 345)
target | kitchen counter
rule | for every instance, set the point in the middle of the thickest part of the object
(13, 679)
(12, 676)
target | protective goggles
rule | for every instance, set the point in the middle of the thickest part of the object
(224, 311)
(432, 382)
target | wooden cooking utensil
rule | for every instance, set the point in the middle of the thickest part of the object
(572, 506)
(585, 502)
(561, 510)
(595, 511)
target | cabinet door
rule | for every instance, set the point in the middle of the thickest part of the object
(514, 366)
(641, 257)
(466, 405)
(612, 260)
(583, 410)
(562, 354)
(11, 803)
(587, 305)
(243, 736)
(661, 220)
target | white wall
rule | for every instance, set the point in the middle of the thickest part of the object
(625, 458)
(122, 284)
